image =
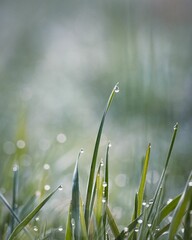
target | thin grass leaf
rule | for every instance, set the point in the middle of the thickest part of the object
(181, 208)
(143, 181)
(164, 170)
(94, 158)
(112, 222)
(135, 208)
(162, 231)
(75, 200)
(28, 218)
(188, 224)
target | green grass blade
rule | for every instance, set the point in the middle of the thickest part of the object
(168, 209)
(162, 231)
(112, 222)
(28, 218)
(143, 181)
(94, 158)
(75, 200)
(164, 170)
(188, 223)
(84, 234)
(68, 235)
(181, 208)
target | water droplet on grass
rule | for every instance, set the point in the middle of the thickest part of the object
(109, 145)
(104, 184)
(73, 223)
(60, 229)
(104, 200)
(190, 184)
(101, 163)
(144, 203)
(136, 229)
(140, 221)
(82, 150)
(149, 225)
(60, 188)
(126, 229)
(15, 168)
(116, 88)
(169, 200)
(35, 228)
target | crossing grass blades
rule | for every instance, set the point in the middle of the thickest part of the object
(90, 217)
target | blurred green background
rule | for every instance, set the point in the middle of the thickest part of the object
(59, 61)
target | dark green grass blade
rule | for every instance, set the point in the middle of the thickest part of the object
(94, 159)
(75, 200)
(143, 181)
(168, 209)
(112, 222)
(28, 218)
(164, 170)
(181, 208)
(162, 231)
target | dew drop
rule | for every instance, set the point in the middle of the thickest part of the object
(150, 202)
(46, 166)
(15, 168)
(73, 223)
(60, 229)
(116, 88)
(104, 200)
(147, 205)
(82, 150)
(47, 187)
(37, 193)
(136, 229)
(169, 200)
(140, 221)
(60, 188)
(104, 184)
(101, 163)
(175, 127)
(21, 144)
(190, 184)
(37, 219)
(109, 145)
(182, 230)
(149, 225)
(61, 138)
(144, 203)
(35, 228)
(126, 229)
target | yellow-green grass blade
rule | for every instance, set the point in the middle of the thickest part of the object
(112, 223)
(94, 158)
(68, 235)
(84, 234)
(143, 181)
(164, 170)
(75, 201)
(28, 218)
(188, 223)
(181, 208)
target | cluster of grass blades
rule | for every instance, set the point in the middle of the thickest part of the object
(93, 219)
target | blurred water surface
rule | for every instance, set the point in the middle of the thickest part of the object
(59, 61)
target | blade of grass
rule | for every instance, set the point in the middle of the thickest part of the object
(143, 181)
(94, 158)
(188, 223)
(28, 218)
(164, 170)
(68, 234)
(75, 200)
(181, 208)
(84, 234)
(112, 222)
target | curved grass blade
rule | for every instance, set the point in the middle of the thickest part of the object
(94, 158)
(181, 208)
(164, 170)
(28, 218)
(84, 234)
(162, 231)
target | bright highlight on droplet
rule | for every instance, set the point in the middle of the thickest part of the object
(60, 188)
(21, 144)
(190, 184)
(37, 219)
(61, 138)
(140, 221)
(15, 168)
(47, 187)
(46, 166)
(116, 88)
(82, 150)
(109, 145)
(104, 184)
(169, 200)
(136, 230)
(73, 223)
(60, 229)
(125, 229)
(35, 229)
(149, 224)
(37, 193)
